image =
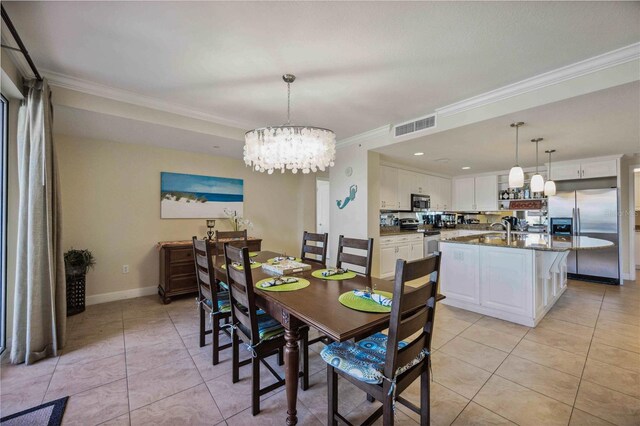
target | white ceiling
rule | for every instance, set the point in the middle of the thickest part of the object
(105, 127)
(360, 65)
(600, 123)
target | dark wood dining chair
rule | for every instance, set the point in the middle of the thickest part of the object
(360, 260)
(263, 334)
(237, 239)
(384, 366)
(318, 250)
(210, 299)
(355, 259)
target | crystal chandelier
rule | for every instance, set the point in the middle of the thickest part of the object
(304, 148)
(516, 174)
(537, 181)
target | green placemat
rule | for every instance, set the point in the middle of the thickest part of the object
(272, 260)
(347, 275)
(302, 283)
(253, 253)
(254, 265)
(352, 301)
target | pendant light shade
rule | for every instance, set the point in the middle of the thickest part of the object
(516, 174)
(537, 181)
(516, 177)
(549, 186)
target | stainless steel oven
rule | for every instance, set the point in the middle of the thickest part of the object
(420, 203)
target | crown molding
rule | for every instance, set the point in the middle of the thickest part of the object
(587, 66)
(367, 136)
(121, 95)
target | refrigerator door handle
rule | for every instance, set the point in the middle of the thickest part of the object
(574, 227)
(578, 230)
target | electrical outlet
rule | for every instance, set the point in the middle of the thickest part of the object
(125, 269)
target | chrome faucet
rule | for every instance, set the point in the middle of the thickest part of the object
(506, 225)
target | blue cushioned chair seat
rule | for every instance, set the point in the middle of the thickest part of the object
(268, 327)
(224, 305)
(365, 359)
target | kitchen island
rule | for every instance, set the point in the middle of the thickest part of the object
(516, 279)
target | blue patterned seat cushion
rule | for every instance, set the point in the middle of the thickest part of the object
(224, 305)
(365, 359)
(268, 327)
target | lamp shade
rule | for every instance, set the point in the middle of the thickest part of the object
(516, 177)
(549, 188)
(537, 183)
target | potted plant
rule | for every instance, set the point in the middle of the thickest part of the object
(77, 263)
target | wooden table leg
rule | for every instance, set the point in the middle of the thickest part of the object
(291, 366)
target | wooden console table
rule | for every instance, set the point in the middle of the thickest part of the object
(177, 272)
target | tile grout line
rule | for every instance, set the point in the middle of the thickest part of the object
(126, 367)
(489, 378)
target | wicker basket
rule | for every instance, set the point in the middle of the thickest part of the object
(76, 283)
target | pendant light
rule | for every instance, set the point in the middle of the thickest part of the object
(549, 185)
(516, 174)
(537, 181)
(289, 147)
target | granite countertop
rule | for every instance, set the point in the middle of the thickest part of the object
(395, 230)
(534, 242)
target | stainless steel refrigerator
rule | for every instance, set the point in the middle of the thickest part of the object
(594, 213)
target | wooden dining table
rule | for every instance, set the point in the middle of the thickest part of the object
(317, 306)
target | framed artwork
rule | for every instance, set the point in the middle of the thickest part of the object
(185, 196)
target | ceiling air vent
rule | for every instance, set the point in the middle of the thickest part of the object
(415, 126)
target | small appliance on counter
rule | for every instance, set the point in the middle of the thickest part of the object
(409, 224)
(420, 203)
(561, 226)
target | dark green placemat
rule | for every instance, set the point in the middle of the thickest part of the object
(347, 275)
(352, 301)
(302, 283)
(254, 265)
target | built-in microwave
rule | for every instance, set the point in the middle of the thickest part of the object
(420, 203)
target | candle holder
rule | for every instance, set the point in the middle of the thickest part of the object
(211, 223)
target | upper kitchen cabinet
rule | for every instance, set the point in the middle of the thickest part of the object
(584, 169)
(389, 188)
(464, 194)
(406, 185)
(439, 189)
(475, 193)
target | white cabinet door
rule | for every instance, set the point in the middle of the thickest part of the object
(506, 280)
(459, 272)
(406, 183)
(387, 260)
(464, 194)
(565, 171)
(486, 191)
(404, 251)
(416, 250)
(388, 187)
(595, 169)
(423, 184)
(445, 194)
(637, 179)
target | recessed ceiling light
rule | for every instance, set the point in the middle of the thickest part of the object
(418, 153)
(466, 168)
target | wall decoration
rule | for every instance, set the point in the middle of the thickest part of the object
(185, 196)
(352, 196)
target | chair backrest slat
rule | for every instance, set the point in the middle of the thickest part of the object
(204, 270)
(237, 239)
(319, 249)
(363, 261)
(412, 311)
(242, 296)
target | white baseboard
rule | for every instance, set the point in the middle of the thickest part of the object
(121, 295)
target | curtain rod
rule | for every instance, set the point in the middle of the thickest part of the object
(21, 47)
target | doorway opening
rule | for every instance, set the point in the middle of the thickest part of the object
(322, 208)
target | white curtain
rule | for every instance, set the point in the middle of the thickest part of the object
(39, 315)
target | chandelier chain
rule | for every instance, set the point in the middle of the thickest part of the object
(288, 103)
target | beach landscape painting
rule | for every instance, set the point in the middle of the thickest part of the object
(186, 196)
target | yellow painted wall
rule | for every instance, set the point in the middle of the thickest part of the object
(111, 206)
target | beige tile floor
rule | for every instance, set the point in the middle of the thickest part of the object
(138, 362)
